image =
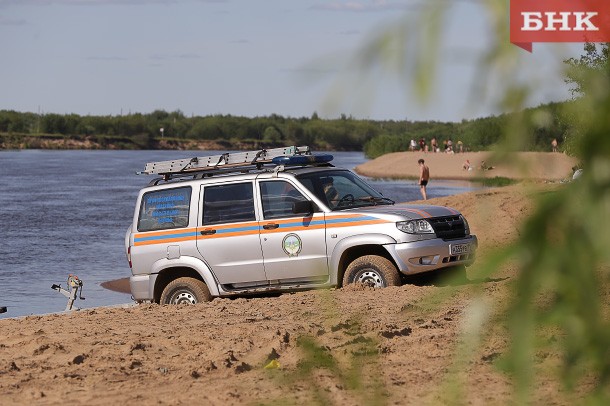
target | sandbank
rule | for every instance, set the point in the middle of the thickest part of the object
(534, 166)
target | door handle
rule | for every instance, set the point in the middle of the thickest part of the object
(207, 232)
(271, 226)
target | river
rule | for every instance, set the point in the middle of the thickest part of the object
(66, 212)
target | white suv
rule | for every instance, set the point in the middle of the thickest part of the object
(278, 220)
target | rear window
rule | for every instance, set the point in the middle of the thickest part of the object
(165, 209)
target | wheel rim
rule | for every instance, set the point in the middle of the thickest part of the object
(370, 278)
(183, 297)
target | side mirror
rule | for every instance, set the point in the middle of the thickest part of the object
(303, 207)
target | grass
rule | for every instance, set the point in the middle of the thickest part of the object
(497, 181)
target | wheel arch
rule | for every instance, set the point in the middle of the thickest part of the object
(170, 270)
(170, 274)
(351, 253)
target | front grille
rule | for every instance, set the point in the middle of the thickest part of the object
(448, 228)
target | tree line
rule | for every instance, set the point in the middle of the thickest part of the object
(374, 137)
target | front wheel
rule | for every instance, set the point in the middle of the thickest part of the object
(185, 291)
(372, 270)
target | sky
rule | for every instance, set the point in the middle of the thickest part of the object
(249, 58)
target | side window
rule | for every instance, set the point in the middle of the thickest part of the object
(165, 209)
(277, 198)
(228, 203)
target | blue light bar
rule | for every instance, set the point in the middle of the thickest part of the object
(302, 159)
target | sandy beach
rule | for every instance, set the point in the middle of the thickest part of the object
(534, 166)
(385, 346)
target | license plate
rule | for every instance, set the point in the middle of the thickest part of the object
(459, 249)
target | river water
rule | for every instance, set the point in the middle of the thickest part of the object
(66, 212)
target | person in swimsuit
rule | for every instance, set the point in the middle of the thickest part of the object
(424, 177)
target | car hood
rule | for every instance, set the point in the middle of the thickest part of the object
(410, 211)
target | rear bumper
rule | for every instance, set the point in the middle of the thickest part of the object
(142, 287)
(429, 255)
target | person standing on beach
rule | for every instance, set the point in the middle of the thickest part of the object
(424, 177)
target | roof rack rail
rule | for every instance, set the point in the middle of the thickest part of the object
(233, 160)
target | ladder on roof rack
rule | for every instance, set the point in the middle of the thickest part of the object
(226, 160)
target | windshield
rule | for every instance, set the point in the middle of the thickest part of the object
(342, 189)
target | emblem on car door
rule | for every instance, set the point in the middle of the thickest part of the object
(291, 244)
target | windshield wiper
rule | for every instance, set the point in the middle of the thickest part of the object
(376, 200)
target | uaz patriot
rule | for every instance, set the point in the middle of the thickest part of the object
(278, 220)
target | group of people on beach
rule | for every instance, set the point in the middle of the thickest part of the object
(424, 171)
(448, 147)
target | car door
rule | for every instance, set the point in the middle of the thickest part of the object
(294, 246)
(228, 233)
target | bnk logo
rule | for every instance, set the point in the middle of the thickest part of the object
(562, 21)
(559, 21)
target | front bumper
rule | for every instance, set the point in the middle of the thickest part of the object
(429, 255)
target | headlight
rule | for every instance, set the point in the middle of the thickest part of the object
(466, 226)
(415, 227)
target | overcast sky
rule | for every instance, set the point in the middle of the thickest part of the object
(240, 57)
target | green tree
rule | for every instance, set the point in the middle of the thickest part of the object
(592, 65)
(272, 135)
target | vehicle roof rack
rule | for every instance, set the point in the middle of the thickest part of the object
(233, 161)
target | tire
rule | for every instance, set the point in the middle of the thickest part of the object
(185, 291)
(372, 270)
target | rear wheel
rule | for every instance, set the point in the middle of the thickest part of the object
(372, 270)
(185, 291)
